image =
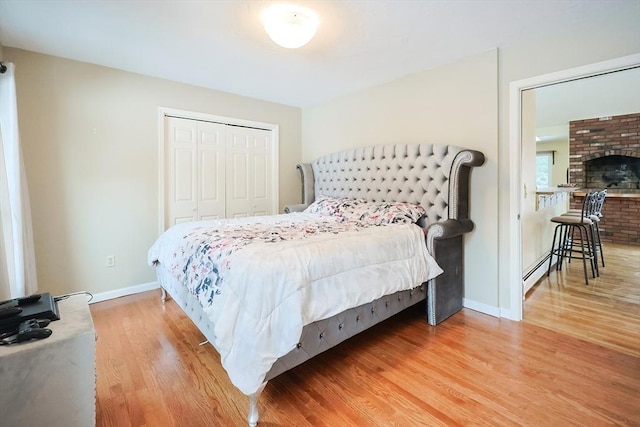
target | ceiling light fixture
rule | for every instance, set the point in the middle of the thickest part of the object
(289, 25)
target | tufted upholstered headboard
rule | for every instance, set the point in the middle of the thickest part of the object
(434, 175)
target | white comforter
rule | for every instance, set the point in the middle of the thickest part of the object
(271, 290)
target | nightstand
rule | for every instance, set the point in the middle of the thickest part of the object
(51, 382)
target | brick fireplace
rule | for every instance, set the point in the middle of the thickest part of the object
(604, 152)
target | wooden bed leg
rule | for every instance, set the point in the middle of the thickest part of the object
(253, 406)
(163, 297)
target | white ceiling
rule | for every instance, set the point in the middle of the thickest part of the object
(221, 45)
(610, 94)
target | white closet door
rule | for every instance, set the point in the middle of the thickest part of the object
(261, 173)
(249, 172)
(215, 170)
(211, 170)
(195, 171)
(181, 171)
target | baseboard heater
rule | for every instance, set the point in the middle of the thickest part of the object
(538, 265)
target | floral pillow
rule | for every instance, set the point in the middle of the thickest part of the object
(382, 213)
(369, 213)
(329, 206)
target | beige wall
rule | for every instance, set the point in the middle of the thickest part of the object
(530, 234)
(537, 228)
(454, 104)
(90, 140)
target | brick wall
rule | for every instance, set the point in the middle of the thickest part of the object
(599, 137)
(607, 136)
(621, 220)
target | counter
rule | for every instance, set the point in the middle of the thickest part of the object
(547, 197)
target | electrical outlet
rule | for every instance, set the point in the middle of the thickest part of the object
(111, 261)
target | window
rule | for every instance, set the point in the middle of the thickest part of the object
(544, 162)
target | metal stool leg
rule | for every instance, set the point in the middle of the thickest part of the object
(584, 259)
(591, 236)
(600, 244)
(555, 251)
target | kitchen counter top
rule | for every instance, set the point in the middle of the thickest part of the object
(582, 193)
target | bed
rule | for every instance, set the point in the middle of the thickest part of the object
(379, 229)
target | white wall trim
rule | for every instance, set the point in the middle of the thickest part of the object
(514, 266)
(122, 292)
(275, 154)
(507, 314)
(481, 307)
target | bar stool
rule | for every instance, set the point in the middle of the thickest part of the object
(594, 212)
(565, 235)
(596, 216)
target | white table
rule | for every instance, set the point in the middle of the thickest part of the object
(51, 382)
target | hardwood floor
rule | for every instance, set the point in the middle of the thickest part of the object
(607, 312)
(473, 369)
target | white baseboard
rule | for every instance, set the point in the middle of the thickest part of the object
(503, 313)
(482, 308)
(506, 313)
(117, 293)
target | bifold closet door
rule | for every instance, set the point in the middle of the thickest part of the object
(249, 175)
(194, 170)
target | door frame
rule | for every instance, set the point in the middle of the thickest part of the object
(514, 249)
(192, 115)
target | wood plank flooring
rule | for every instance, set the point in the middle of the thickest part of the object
(473, 369)
(606, 312)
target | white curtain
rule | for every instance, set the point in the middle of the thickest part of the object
(17, 257)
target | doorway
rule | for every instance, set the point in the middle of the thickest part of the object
(547, 113)
(516, 190)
